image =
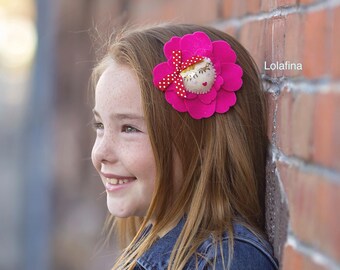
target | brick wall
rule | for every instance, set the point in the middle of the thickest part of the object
(304, 169)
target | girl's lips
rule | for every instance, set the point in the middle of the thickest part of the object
(114, 182)
(118, 177)
(112, 185)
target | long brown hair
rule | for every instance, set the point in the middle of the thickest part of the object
(222, 157)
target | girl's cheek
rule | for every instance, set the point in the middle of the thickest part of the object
(94, 158)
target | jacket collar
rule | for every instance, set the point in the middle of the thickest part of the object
(158, 254)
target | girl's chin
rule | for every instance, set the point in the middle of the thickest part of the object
(120, 212)
(122, 208)
(116, 212)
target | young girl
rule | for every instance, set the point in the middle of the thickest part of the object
(180, 118)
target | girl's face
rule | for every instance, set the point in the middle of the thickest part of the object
(122, 152)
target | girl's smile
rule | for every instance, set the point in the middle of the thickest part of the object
(114, 182)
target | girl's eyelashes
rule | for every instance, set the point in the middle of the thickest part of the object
(97, 125)
(129, 129)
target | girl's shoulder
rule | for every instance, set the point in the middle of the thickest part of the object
(250, 252)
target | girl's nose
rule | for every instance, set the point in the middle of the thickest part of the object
(104, 151)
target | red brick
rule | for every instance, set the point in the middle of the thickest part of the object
(227, 9)
(335, 44)
(315, 45)
(300, 197)
(268, 5)
(310, 264)
(233, 31)
(283, 121)
(248, 33)
(293, 259)
(253, 6)
(328, 214)
(286, 3)
(313, 206)
(293, 42)
(180, 11)
(306, 2)
(197, 11)
(308, 126)
(326, 150)
(302, 125)
(274, 44)
(166, 12)
(233, 8)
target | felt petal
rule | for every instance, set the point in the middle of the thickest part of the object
(172, 45)
(160, 71)
(176, 101)
(186, 55)
(223, 52)
(232, 76)
(196, 41)
(217, 66)
(207, 98)
(203, 52)
(224, 101)
(199, 110)
(191, 95)
(218, 82)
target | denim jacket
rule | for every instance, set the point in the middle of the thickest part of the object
(249, 252)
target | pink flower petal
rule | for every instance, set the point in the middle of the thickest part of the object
(176, 102)
(232, 76)
(191, 95)
(172, 45)
(186, 55)
(207, 98)
(206, 53)
(224, 101)
(217, 66)
(196, 42)
(218, 82)
(199, 110)
(223, 52)
(160, 71)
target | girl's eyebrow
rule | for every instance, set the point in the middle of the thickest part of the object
(121, 116)
(95, 113)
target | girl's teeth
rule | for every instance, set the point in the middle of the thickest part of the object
(117, 182)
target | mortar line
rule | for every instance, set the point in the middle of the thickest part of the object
(309, 86)
(316, 255)
(331, 175)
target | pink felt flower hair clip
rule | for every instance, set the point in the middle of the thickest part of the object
(200, 76)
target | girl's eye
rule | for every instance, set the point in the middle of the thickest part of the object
(129, 129)
(97, 125)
